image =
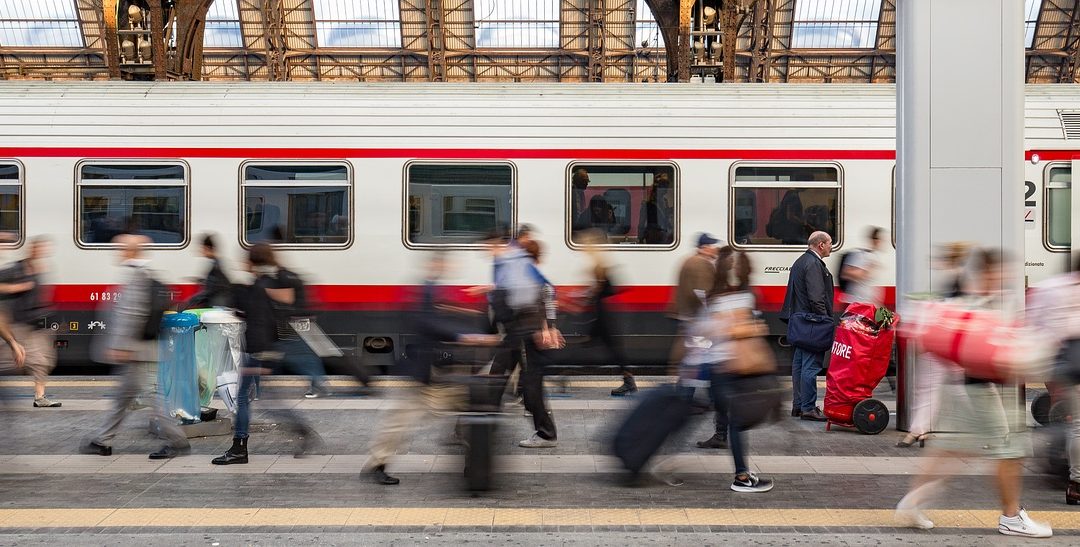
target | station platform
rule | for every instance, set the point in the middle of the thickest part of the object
(837, 487)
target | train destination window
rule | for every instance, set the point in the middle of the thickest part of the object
(780, 205)
(11, 200)
(148, 198)
(623, 204)
(457, 203)
(1059, 208)
(297, 204)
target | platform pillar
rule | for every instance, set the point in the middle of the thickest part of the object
(959, 138)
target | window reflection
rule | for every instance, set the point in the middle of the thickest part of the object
(632, 204)
(154, 211)
(776, 205)
(458, 204)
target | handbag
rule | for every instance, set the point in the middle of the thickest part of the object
(810, 331)
(751, 353)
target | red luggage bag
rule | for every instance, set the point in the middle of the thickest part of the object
(860, 357)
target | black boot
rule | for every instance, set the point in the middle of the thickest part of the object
(380, 476)
(236, 454)
(628, 386)
(718, 440)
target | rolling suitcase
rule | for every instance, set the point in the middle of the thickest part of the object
(480, 421)
(661, 413)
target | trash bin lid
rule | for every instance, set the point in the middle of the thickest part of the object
(199, 311)
(170, 320)
(220, 317)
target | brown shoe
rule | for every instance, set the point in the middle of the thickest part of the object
(815, 415)
(1072, 493)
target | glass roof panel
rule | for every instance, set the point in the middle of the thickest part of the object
(358, 23)
(1031, 16)
(223, 26)
(517, 23)
(648, 30)
(40, 23)
(835, 24)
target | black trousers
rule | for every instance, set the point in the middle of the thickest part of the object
(532, 387)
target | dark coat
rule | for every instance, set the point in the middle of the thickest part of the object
(809, 289)
(214, 291)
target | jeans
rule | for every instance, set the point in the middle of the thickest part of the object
(243, 400)
(805, 367)
(719, 388)
(300, 359)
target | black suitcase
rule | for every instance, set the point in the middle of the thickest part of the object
(661, 413)
(485, 406)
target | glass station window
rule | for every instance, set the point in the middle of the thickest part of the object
(1059, 208)
(297, 204)
(149, 199)
(623, 204)
(10, 202)
(457, 204)
(782, 205)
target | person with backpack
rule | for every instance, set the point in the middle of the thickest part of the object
(857, 271)
(27, 308)
(130, 341)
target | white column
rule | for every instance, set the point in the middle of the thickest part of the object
(960, 141)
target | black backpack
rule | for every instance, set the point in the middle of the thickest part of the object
(160, 302)
(841, 282)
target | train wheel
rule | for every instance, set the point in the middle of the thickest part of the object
(1040, 409)
(870, 416)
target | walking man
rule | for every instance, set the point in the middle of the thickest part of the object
(810, 290)
(125, 344)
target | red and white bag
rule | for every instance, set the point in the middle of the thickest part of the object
(980, 341)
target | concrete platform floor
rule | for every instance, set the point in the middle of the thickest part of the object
(835, 487)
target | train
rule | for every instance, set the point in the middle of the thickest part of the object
(360, 182)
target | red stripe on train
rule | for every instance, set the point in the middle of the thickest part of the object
(443, 153)
(641, 298)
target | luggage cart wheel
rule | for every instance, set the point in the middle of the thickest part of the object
(870, 416)
(1060, 413)
(1040, 408)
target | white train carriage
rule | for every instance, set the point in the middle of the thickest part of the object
(358, 181)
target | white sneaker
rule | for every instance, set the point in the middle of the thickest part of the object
(910, 516)
(536, 441)
(1022, 525)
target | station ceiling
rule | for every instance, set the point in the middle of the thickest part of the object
(485, 40)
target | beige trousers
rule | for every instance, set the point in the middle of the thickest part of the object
(434, 399)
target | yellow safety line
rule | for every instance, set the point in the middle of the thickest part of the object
(470, 516)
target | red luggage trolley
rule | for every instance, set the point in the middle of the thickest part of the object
(860, 357)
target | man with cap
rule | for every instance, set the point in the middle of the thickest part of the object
(695, 278)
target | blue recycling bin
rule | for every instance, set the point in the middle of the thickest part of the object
(178, 376)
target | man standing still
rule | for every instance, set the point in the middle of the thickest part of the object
(810, 290)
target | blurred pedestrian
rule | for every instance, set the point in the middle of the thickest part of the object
(259, 303)
(982, 418)
(859, 269)
(695, 279)
(437, 395)
(215, 285)
(128, 343)
(21, 283)
(809, 290)
(602, 328)
(1055, 309)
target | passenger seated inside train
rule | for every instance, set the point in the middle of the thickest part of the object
(656, 218)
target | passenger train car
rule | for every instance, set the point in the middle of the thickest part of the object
(360, 182)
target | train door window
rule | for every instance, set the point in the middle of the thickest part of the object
(1058, 229)
(11, 202)
(297, 205)
(457, 203)
(781, 205)
(625, 205)
(147, 198)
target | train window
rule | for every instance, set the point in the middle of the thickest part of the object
(780, 205)
(11, 201)
(457, 203)
(623, 204)
(297, 204)
(150, 199)
(1058, 230)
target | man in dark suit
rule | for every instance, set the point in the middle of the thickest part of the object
(810, 289)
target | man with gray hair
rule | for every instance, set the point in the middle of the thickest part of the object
(809, 290)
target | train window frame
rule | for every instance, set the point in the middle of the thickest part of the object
(20, 183)
(568, 231)
(734, 185)
(349, 183)
(184, 183)
(1047, 187)
(479, 245)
